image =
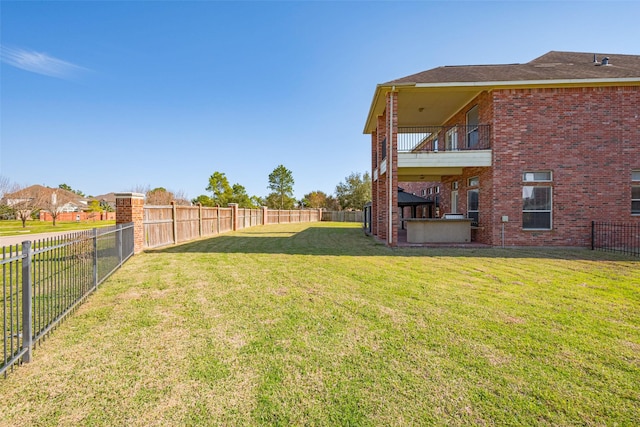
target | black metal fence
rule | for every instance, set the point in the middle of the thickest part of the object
(616, 237)
(44, 280)
(444, 138)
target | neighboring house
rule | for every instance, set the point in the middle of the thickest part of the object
(45, 197)
(532, 152)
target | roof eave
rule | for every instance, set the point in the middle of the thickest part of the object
(371, 123)
(511, 83)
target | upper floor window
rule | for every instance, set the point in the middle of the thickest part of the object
(451, 139)
(473, 120)
(537, 201)
(544, 176)
(635, 192)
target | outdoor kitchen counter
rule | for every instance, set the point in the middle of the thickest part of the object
(433, 230)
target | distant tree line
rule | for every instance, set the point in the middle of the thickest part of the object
(353, 193)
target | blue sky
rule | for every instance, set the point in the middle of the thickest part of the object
(112, 96)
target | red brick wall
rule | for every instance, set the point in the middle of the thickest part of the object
(130, 208)
(84, 216)
(588, 137)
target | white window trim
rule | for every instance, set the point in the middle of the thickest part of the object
(550, 210)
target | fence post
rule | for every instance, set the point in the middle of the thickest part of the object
(174, 218)
(593, 239)
(95, 257)
(130, 208)
(265, 215)
(119, 242)
(27, 301)
(234, 216)
(200, 219)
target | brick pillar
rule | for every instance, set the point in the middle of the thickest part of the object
(234, 216)
(393, 156)
(265, 215)
(130, 208)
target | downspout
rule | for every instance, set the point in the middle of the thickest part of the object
(390, 169)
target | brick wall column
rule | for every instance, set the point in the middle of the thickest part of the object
(392, 106)
(130, 208)
(234, 216)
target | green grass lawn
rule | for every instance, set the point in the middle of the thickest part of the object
(316, 324)
(13, 228)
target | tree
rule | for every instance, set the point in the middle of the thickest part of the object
(203, 200)
(25, 201)
(159, 196)
(68, 188)
(275, 201)
(281, 186)
(354, 192)
(239, 195)
(315, 199)
(95, 206)
(219, 186)
(54, 203)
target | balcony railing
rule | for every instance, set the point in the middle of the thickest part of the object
(444, 138)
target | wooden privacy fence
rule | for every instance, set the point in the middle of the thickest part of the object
(168, 225)
(343, 216)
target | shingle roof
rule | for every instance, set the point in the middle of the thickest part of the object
(411, 199)
(553, 65)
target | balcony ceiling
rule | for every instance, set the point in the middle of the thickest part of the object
(433, 106)
(420, 106)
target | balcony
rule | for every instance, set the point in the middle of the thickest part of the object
(416, 139)
(426, 153)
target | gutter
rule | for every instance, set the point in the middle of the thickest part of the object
(493, 84)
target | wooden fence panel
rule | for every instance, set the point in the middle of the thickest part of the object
(210, 221)
(343, 216)
(158, 226)
(187, 223)
(226, 219)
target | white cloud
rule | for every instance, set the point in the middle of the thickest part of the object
(40, 63)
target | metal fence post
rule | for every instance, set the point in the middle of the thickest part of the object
(27, 301)
(95, 257)
(119, 242)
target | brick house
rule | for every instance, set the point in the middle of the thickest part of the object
(532, 152)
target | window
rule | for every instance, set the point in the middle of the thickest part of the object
(383, 148)
(436, 190)
(536, 201)
(454, 185)
(544, 176)
(473, 198)
(635, 192)
(451, 139)
(423, 192)
(473, 120)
